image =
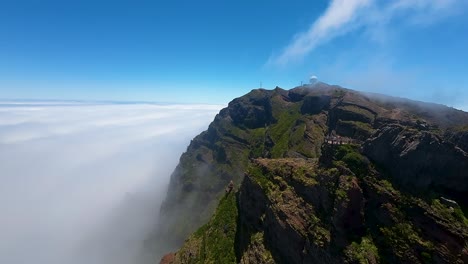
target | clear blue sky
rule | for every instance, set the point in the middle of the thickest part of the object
(212, 51)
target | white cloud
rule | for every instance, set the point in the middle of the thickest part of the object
(462, 106)
(82, 183)
(344, 16)
(335, 21)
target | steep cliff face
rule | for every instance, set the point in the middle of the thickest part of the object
(303, 199)
(300, 211)
(419, 159)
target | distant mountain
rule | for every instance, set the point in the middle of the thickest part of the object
(323, 174)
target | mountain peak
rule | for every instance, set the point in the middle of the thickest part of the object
(324, 172)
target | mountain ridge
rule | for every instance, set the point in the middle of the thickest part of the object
(295, 124)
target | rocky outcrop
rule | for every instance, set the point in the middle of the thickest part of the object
(331, 212)
(411, 230)
(459, 138)
(168, 259)
(252, 112)
(314, 104)
(419, 159)
(348, 214)
(348, 219)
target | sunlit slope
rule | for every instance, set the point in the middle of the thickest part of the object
(394, 134)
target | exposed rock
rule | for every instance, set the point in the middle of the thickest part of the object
(278, 220)
(168, 259)
(293, 209)
(255, 109)
(315, 104)
(459, 138)
(348, 216)
(419, 159)
(449, 202)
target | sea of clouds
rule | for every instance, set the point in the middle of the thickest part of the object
(83, 182)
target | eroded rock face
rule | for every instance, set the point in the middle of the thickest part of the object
(419, 159)
(411, 230)
(416, 146)
(348, 215)
(459, 138)
(252, 112)
(299, 211)
(282, 211)
(168, 259)
(315, 104)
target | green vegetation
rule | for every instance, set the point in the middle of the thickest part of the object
(257, 240)
(462, 128)
(340, 194)
(257, 142)
(453, 215)
(360, 129)
(402, 238)
(297, 138)
(387, 185)
(280, 132)
(359, 110)
(354, 160)
(339, 93)
(342, 150)
(304, 177)
(427, 258)
(345, 208)
(364, 253)
(283, 172)
(458, 213)
(257, 175)
(218, 235)
(357, 163)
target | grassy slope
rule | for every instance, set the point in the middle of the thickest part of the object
(214, 241)
(397, 240)
(294, 132)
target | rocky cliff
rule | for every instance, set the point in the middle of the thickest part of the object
(323, 175)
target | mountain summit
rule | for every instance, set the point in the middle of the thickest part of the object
(322, 174)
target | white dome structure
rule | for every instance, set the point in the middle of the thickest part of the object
(313, 80)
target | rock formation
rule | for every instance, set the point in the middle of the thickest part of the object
(375, 198)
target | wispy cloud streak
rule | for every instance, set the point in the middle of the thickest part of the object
(344, 16)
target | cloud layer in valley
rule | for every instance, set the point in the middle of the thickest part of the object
(83, 182)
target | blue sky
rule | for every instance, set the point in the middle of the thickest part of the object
(212, 51)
